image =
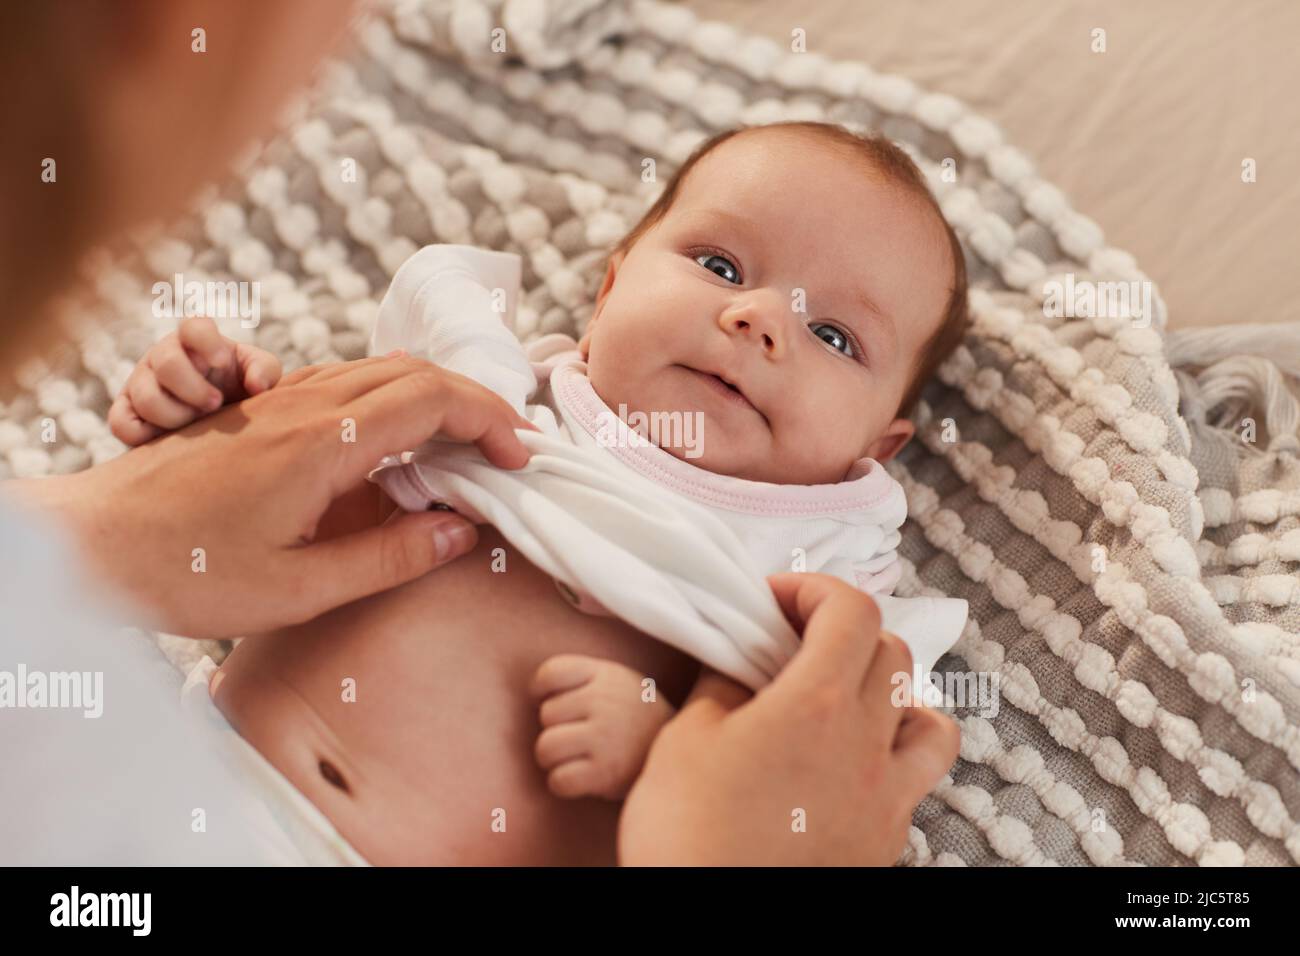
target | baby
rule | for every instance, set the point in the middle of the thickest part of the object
(789, 294)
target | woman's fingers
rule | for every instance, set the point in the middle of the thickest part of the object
(925, 746)
(926, 726)
(398, 402)
(331, 573)
(714, 695)
(176, 373)
(416, 405)
(840, 625)
(889, 678)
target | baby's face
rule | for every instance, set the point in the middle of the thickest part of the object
(712, 292)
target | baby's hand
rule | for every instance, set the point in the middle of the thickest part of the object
(186, 375)
(596, 726)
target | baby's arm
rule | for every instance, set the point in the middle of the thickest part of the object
(455, 306)
(598, 720)
(185, 375)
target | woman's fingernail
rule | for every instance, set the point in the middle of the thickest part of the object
(395, 353)
(214, 401)
(452, 539)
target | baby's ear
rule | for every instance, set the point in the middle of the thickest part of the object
(892, 440)
(611, 270)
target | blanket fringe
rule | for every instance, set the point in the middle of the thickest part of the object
(1231, 372)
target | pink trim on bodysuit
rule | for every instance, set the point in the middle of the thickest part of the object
(867, 485)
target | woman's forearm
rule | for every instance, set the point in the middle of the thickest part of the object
(54, 497)
(77, 506)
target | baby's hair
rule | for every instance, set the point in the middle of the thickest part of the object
(898, 168)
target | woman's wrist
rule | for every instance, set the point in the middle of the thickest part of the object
(68, 503)
(50, 496)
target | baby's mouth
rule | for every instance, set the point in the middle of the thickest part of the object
(724, 389)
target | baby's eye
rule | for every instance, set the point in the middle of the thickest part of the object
(706, 256)
(832, 337)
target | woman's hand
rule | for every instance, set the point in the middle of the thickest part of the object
(819, 768)
(211, 527)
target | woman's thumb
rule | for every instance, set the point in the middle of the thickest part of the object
(715, 695)
(363, 563)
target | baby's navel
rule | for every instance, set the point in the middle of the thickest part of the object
(331, 774)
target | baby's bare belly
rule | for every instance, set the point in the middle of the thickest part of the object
(432, 763)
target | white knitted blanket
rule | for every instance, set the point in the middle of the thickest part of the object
(1120, 507)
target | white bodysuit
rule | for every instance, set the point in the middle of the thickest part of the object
(624, 527)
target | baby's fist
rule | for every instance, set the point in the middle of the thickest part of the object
(597, 725)
(186, 375)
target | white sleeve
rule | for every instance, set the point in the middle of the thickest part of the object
(929, 626)
(112, 776)
(455, 306)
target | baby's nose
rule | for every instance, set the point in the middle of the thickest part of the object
(764, 326)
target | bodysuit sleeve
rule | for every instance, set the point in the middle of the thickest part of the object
(455, 306)
(928, 625)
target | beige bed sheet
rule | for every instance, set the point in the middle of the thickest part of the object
(1147, 138)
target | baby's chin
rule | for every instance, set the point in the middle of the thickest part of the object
(769, 466)
(717, 457)
(721, 441)
(700, 440)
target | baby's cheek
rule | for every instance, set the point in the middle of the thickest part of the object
(818, 448)
(611, 382)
